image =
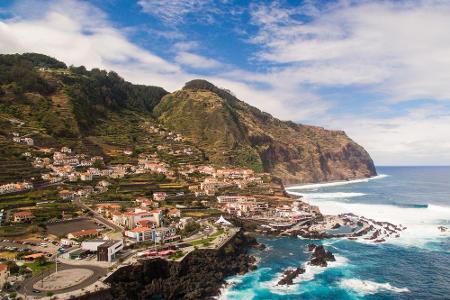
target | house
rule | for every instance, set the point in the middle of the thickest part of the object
(133, 219)
(144, 202)
(174, 213)
(103, 183)
(206, 170)
(28, 141)
(107, 208)
(140, 234)
(86, 176)
(67, 242)
(4, 274)
(82, 234)
(159, 196)
(66, 150)
(106, 249)
(34, 256)
(66, 195)
(22, 216)
(165, 234)
(15, 187)
(91, 245)
(184, 221)
(73, 177)
(230, 199)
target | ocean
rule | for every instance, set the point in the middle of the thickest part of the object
(414, 266)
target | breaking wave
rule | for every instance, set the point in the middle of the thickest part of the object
(336, 183)
(367, 287)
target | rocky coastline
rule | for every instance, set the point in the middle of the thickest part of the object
(319, 257)
(200, 275)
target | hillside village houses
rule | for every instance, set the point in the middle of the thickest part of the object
(138, 217)
(23, 140)
(22, 216)
(15, 187)
(85, 233)
(159, 196)
(144, 234)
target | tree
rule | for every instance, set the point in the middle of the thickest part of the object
(41, 260)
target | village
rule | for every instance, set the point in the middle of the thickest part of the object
(113, 214)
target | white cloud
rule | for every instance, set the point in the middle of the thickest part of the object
(79, 34)
(174, 11)
(400, 48)
(420, 137)
(397, 50)
(197, 61)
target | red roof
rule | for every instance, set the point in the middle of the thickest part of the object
(84, 232)
(141, 229)
(23, 213)
(143, 222)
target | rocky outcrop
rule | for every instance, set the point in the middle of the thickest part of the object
(320, 256)
(232, 132)
(290, 275)
(199, 275)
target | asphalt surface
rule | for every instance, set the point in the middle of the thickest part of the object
(27, 286)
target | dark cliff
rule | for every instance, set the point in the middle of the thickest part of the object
(200, 275)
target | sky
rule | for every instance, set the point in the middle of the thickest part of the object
(379, 70)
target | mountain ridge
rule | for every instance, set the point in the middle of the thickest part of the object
(91, 108)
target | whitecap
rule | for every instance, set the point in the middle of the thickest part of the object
(421, 222)
(367, 287)
(336, 183)
(325, 196)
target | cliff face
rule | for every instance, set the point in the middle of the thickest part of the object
(233, 132)
(199, 276)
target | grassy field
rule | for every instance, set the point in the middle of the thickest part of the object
(38, 268)
(207, 240)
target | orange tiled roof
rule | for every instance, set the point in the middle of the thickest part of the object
(84, 232)
(140, 229)
(23, 213)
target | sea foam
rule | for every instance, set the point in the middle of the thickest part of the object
(367, 287)
(327, 195)
(336, 183)
(421, 222)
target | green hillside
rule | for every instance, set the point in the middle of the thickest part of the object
(98, 113)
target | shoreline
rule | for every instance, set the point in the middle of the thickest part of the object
(200, 275)
(313, 185)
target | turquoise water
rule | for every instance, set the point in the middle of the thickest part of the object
(414, 266)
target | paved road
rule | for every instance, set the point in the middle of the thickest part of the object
(27, 286)
(99, 217)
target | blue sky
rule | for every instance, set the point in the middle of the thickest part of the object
(378, 70)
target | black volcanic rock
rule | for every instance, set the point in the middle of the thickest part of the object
(290, 275)
(320, 256)
(200, 275)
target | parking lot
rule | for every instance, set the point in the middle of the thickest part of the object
(65, 227)
(9, 247)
